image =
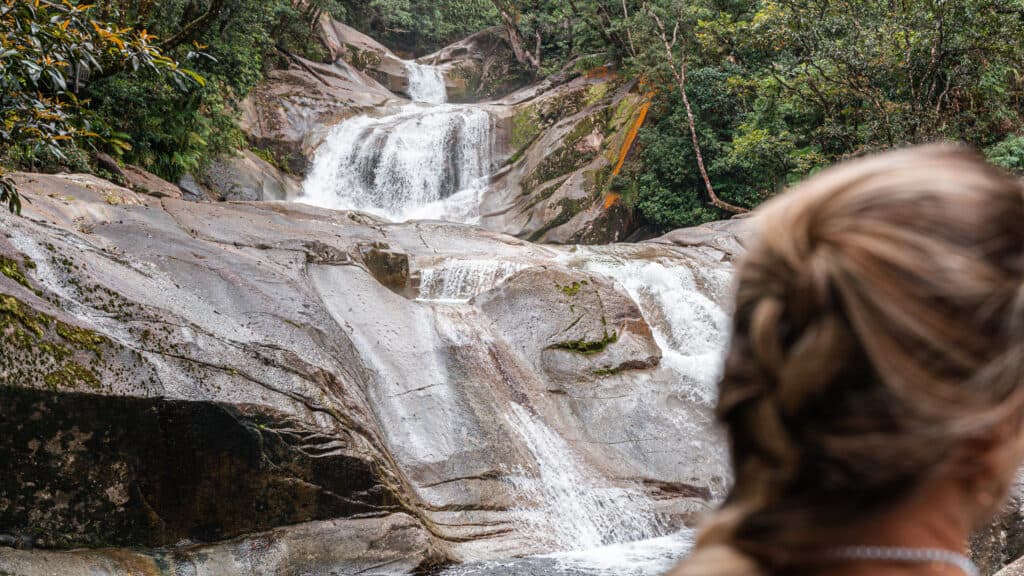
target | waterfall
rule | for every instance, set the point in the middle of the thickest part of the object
(690, 328)
(417, 163)
(423, 161)
(575, 508)
(461, 280)
(426, 83)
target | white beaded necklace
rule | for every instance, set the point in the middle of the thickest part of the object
(908, 555)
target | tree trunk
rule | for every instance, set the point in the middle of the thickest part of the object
(715, 200)
(193, 28)
(515, 38)
(680, 77)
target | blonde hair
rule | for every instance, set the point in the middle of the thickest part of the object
(879, 324)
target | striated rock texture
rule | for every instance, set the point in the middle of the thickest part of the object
(276, 379)
(566, 135)
(246, 176)
(573, 326)
(289, 114)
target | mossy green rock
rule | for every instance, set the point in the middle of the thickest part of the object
(575, 325)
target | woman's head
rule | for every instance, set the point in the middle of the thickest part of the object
(878, 344)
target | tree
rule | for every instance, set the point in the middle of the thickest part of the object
(678, 66)
(512, 16)
(46, 49)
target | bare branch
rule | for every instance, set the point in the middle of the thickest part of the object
(680, 76)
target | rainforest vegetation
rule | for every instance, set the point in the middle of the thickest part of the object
(749, 95)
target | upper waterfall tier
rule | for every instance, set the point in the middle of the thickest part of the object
(426, 83)
(418, 163)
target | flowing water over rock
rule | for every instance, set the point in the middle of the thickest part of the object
(426, 160)
(426, 84)
(433, 392)
(514, 399)
(460, 280)
(652, 557)
(570, 506)
(690, 328)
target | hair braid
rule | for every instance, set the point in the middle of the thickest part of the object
(874, 329)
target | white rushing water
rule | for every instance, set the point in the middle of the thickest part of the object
(691, 329)
(428, 160)
(426, 83)
(461, 280)
(653, 557)
(570, 506)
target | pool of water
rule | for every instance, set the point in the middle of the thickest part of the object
(652, 557)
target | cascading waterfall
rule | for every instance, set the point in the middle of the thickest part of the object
(426, 83)
(429, 160)
(690, 328)
(574, 507)
(432, 160)
(461, 280)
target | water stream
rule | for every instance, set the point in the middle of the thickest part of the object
(419, 161)
(428, 159)
(460, 280)
(567, 505)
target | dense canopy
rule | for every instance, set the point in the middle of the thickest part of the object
(748, 96)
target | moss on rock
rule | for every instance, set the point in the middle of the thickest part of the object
(588, 347)
(39, 349)
(12, 270)
(568, 208)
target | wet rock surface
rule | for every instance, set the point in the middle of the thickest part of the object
(220, 370)
(566, 136)
(95, 470)
(575, 326)
(245, 176)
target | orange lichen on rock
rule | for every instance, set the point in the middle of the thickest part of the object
(634, 130)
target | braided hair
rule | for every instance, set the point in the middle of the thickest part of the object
(879, 323)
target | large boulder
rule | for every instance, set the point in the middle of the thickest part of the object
(575, 326)
(246, 176)
(365, 54)
(146, 182)
(289, 114)
(354, 546)
(566, 137)
(160, 387)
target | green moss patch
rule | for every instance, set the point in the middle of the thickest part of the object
(38, 348)
(12, 270)
(567, 209)
(588, 347)
(572, 289)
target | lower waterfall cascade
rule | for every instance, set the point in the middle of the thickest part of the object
(593, 525)
(573, 508)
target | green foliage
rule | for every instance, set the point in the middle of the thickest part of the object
(9, 193)
(46, 49)
(782, 89)
(170, 133)
(233, 46)
(421, 26)
(779, 89)
(1009, 154)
